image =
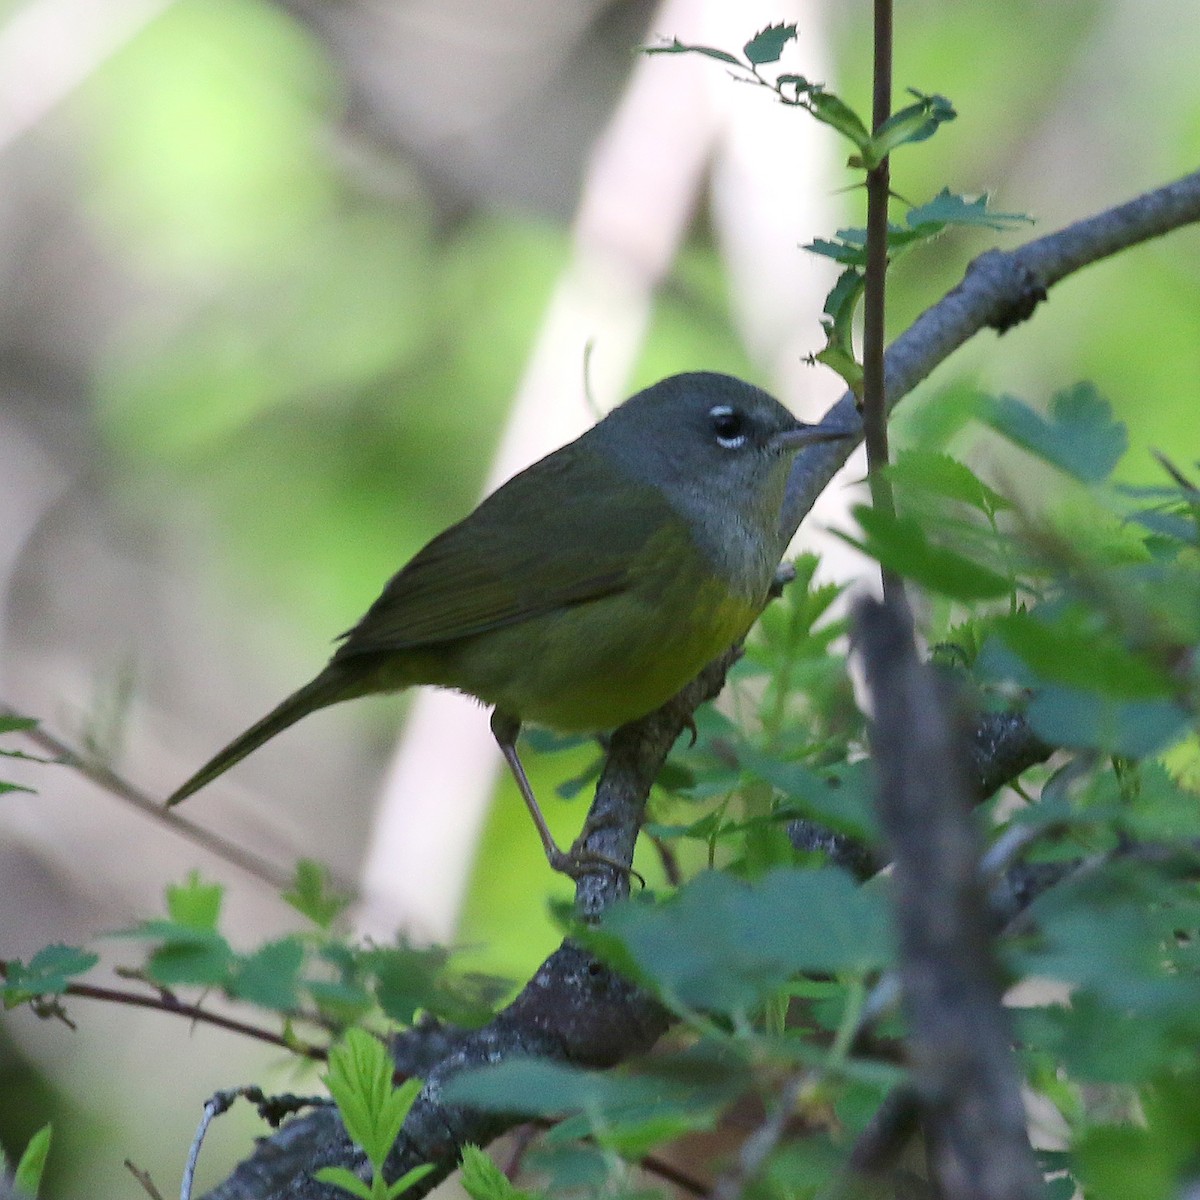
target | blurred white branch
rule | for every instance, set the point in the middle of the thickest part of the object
(49, 47)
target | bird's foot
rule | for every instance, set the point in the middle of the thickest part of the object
(580, 861)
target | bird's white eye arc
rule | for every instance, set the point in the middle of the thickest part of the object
(728, 426)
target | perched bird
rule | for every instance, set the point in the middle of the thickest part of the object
(589, 588)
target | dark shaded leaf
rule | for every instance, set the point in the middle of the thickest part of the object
(767, 45)
(720, 944)
(1079, 436)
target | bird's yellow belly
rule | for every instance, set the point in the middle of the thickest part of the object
(596, 665)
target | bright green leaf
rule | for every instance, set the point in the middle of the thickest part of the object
(483, 1180)
(360, 1080)
(195, 904)
(1122, 1162)
(414, 1175)
(345, 1179)
(28, 1176)
(311, 894)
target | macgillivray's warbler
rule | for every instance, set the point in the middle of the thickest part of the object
(588, 589)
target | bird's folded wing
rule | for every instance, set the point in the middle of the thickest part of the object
(520, 554)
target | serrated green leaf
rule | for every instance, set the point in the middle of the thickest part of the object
(360, 1081)
(28, 1176)
(48, 971)
(900, 544)
(950, 208)
(941, 475)
(269, 976)
(312, 894)
(675, 46)
(838, 251)
(194, 903)
(723, 945)
(203, 962)
(768, 44)
(345, 1179)
(483, 1180)
(1078, 437)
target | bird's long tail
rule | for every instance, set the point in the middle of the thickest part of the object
(327, 688)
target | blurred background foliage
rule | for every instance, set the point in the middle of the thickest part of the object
(269, 277)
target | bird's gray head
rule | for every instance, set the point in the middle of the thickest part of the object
(704, 431)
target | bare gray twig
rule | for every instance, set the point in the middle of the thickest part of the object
(959, 1042)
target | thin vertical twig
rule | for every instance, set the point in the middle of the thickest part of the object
(874, 401)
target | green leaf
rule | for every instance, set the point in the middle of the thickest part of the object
(723, 945)
(833, 802)
(407, 980)
(950, 208)
(625, 1111)
(900, 544)
(768, 45)
(941, 475)
(414, 1175)
(28, 1176)
(675, 46)
(205, 961)
(830, 110)
(345, 1179)
(1079, 437)
(1071, 645)
(1066, 716)
(269, 976)
(195, 904)
(312, 895)
(1122, 1162)
(360, 1080)
(913, 123)
(17, 724)
(48, 972)
(483, 1180)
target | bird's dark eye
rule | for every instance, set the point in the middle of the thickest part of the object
(728, 425)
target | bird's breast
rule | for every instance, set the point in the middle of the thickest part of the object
(595, 665)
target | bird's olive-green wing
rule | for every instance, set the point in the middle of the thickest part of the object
(564, 532)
